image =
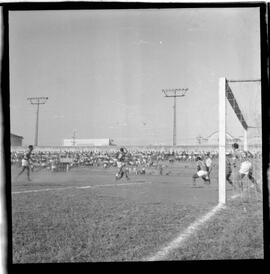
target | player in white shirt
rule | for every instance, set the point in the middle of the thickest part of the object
(201, 171)
(246, 169)
(26, 165)
(208, 164)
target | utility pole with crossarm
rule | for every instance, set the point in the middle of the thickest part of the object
(37, 101)
(176, 92)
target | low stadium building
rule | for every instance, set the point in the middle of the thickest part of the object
(16, 140)
(87, 142)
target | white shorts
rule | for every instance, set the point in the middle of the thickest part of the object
(24, 162)
(201, 173)
(120, 164)
(245, 168)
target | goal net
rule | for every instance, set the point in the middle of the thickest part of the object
(240, 136)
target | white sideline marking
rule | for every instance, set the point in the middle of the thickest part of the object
(160, 255)
(188, 232)
(235, 196)
(123, 184)
(78, 187)
(40, 190)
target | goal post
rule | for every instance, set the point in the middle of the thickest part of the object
(222, 142)
(239, 111)
(225, 93)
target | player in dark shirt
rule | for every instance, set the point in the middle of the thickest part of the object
(26, 164)
(121, 163)
(228, 171)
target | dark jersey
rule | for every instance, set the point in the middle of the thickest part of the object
(27, 155)
(201, 166)
(121, 156)
(228, 166)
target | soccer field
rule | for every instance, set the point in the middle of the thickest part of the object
(84, 215)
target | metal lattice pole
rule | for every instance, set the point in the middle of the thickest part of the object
(177, 92)
(74, 138)
(37, 101)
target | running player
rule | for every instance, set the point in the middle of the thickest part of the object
(121, 158)
(201, 171)
(26, 164)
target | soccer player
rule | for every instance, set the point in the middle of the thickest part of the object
(208, 164)
(235, 154)
(228, 171)
(121, 158)
(246, 169)
(201, 171)
(160, 167)
(26, 165)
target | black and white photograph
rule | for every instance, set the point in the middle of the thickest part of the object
(136, 134)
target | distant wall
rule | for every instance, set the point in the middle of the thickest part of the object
(130, 148)
(86, 142)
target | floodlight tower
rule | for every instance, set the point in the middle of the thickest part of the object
(74, 138)
(37, 101)
(176, 92)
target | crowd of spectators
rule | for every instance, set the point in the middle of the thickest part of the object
(137, 159)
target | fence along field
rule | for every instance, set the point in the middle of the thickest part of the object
(85, 216)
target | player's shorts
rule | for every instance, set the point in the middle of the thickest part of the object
(120, 164)
(201, 173)
(25, 162)
(245, 168)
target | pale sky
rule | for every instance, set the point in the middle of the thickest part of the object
(104, 71)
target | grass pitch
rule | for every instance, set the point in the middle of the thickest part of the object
(126, 220)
